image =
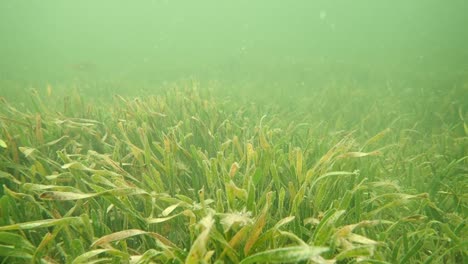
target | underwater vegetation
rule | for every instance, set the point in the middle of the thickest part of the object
(343, 174)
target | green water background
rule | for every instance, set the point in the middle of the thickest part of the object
(290, 44)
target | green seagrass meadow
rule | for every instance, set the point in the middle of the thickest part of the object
(195, 173)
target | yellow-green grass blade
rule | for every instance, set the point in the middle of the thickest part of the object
(285, 255)
(42, 224)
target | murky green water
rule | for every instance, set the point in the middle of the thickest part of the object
(300, 43)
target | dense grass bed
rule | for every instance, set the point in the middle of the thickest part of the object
(194, 175)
